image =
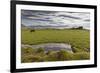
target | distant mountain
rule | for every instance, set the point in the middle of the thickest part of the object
(51, 27)
(47, 27)
(22, 25)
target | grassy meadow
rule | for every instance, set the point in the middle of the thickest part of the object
(79, 39)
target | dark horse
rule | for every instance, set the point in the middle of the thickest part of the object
(32, 30)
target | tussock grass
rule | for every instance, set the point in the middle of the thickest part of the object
(31, 55)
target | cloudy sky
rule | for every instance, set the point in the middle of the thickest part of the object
(55, 18)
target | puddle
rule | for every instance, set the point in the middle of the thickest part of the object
(50, 46)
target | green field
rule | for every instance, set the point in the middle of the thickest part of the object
(78, 38)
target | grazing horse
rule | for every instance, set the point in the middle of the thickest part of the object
(32, 30)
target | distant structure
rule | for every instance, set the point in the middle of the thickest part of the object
(80, 27)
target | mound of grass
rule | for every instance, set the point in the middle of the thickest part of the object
(40, 50)
(52, 56)
(75, 49)
(64, 55)
(26, 51)
(81, 56)
(31, 58)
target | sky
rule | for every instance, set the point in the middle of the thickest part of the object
(55, 18)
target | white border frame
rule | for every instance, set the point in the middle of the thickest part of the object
(20, 65)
